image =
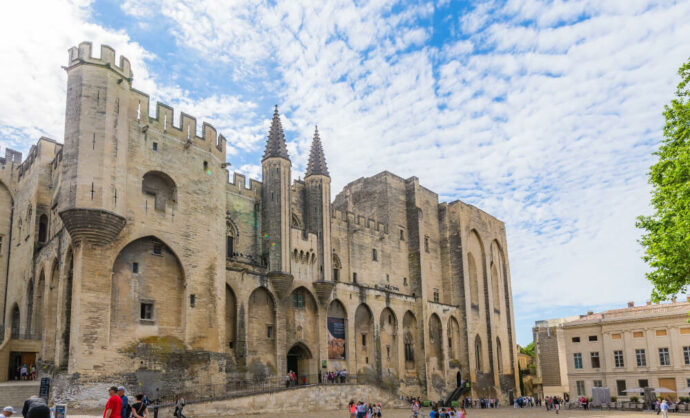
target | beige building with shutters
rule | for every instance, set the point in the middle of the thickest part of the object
(638, 346)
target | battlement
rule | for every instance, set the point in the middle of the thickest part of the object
(11, 156)
(239, 184)
(367, 223)
(83, 54)
(186, 131)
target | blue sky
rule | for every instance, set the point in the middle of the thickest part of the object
(543, 113)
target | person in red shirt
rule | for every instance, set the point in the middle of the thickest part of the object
(114, 404)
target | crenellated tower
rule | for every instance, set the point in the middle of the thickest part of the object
(318, 210)
(94, 155)
(275, 213)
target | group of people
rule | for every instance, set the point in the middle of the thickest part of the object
(436, 410)
(338, 376)
(118, 405)
(482, 403)
(291, 379)
(553, 403)
(25, 372)
(364, 409)
(524, 401)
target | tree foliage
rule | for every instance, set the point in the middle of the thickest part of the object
(666, 239)
(528, 349)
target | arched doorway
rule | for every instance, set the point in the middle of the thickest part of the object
(261, 340)
(298, 359)
(410, 339)
(436, 342)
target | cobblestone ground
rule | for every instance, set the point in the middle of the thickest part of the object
(495, 413)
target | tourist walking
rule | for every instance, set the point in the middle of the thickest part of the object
(24, 373)
(353, 409)
(126, 408)
(179, 405)
(139, 408)
(113, 407)
(663, 408)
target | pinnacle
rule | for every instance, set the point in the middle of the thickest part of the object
(317, 159)
(275, 145)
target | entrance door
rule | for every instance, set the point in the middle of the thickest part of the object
(298, 361)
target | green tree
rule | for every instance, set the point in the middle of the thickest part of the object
(666, 239)
(528, 349)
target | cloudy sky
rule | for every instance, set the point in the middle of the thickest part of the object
(543, 113)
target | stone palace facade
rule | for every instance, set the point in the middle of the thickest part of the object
(126, 255)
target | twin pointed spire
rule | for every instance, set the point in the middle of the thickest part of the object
(317, 159)
(276, 147)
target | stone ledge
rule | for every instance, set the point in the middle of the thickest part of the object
(281, 282)
(96, 226)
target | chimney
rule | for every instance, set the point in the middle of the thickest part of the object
(631, 304)
(590, 312)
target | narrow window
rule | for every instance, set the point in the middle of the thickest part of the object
(390, 319)
(364, 340)
(192, 300)
(576, 339)
(135, 267)
(158, 248)
(402, 235)
(354, 277)
(373, 254)
(409, 353)
(147, 311)
(664, 357)
(298, 299)
(388, 278)
(426, 243)
(269, 331)
(336, 275)
(404, 281)
(593, 338)
(155, 146)
(436, 296)
(641, 357)
(577, 357)
(229, 247)
(686, 355)
(388, 352)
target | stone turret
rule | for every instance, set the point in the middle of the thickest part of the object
(94, 156)
(318, 209)
(275, 215)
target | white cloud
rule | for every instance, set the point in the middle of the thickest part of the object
(543, 113)
(33, 84)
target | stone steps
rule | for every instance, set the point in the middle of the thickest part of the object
(15, 393)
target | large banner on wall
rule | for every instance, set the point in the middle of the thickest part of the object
(336, 338)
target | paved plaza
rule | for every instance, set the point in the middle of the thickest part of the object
(493, 413)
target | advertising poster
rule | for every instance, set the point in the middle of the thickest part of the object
(336, 338)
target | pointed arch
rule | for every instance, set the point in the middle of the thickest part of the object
(478, 354)
(337, 266)
(230, 317)
(161, 186)
(436, 340)
(29, 305)
(388, 334)
(261, 328)
(40, 293)
(16, 319)
(148, 292)
(453, 338)
(337, 330)
(499, 355)
(364, 334)
(295, 222)
(410, 340)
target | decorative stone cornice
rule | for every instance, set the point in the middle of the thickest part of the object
(281, 282)
(324, 290)
(96, 226)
